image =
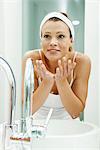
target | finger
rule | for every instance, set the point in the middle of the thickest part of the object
(40, 64)
(44, 70)
(70, 67)
(74, 65)
(43, 67)
(37, 64)
(60, 67)
(39, 69)
(35, 68)
(65, 66)
(57, 72)
(39, 72)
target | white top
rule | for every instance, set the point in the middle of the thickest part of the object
(54, 101)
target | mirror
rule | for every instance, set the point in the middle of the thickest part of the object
(35, 10)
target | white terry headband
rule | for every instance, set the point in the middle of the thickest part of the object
(61, 17)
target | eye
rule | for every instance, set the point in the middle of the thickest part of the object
(61, 36)
(46, 36)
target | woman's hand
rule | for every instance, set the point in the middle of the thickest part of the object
(63, 71)
(43, 72)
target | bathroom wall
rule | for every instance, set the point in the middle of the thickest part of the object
(99, 64)
(92, 48)
(1, 28)
(11, 50)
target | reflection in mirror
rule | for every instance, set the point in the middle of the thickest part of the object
(28, 87)
(57, 41)
(35, 10)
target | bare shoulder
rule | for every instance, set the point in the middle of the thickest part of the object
(33, 54)
(83, 65)
(83, 59)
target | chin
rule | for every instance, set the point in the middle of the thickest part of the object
(53, 58)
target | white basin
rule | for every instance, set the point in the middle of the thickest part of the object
(63, 135)
(70, 134)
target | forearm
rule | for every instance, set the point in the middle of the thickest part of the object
(41, 94)
(70, 101)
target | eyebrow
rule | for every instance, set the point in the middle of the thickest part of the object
(47, 32)
(60, 32)
(57, 32)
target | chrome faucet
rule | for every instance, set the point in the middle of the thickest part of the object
(36, 130)
(27, 103)
(28, 88)
(11, 80)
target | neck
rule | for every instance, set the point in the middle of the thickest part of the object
(50, 65)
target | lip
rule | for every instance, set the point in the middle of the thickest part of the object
(52, 49)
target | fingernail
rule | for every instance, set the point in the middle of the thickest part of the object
(69, 61)
(37, 61)
(57, 69)
(59, 61)
(64, 58)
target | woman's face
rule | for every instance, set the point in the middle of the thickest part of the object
(55, 40)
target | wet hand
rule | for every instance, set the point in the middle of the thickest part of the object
(64, 69)
(43, 72)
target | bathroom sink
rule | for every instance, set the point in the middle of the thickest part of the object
(61, 135)
(71, 134)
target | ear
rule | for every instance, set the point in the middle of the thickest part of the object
(71, 40)
(71, 45)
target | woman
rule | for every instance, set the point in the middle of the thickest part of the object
(60, 73)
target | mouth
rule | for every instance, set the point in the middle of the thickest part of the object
(53, 50)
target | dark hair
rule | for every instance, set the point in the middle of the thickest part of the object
(57, 19)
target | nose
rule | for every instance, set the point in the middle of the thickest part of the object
(53, 42)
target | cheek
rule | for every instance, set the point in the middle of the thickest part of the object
(44, 45)
(64, 47)
(66, 44)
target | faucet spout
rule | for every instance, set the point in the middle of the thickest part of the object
(28, 88)
(11, 80)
